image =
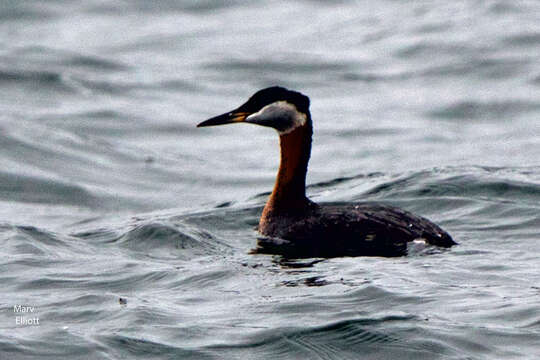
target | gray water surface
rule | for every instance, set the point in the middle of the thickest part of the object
(127, 230)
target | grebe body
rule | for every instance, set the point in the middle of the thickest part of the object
(295, 226)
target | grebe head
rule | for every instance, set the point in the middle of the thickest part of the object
(275, 107)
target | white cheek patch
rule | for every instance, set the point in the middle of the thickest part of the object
(281, 115)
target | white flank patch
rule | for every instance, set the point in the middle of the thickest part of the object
(417, 246)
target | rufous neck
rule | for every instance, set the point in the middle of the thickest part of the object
(295, 150)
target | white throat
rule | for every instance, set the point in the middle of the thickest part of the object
(283, 111)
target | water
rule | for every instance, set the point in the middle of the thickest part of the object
(128, 230)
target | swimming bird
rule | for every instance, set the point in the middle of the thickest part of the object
(293, 225)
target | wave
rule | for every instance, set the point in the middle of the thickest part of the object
(475, 182)
(159, 239)
(493, 110)
(33, 189)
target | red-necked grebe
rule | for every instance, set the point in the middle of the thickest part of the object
(295, 226)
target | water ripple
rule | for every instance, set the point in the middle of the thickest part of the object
(498, 111)
(109, 192)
